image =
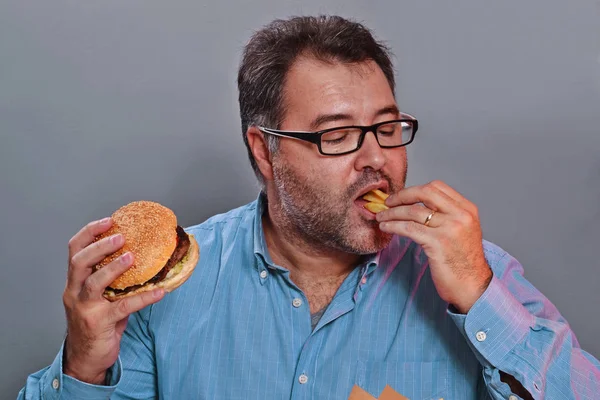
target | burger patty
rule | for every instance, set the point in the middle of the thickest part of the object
(183, 245)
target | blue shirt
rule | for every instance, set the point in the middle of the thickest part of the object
(239, 328)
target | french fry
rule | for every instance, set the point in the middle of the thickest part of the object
(372, 198)
(376, 196)
(376, 199)
(375, 207)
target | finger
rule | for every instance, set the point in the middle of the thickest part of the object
(429, 195)
(124, 307)
(87, 235)
(97, 282)
(419, 233)
(414, 212)
(82, 262)
(452, 193)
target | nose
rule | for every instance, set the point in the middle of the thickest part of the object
(370, 154)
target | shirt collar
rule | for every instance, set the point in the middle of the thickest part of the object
(260, 244)
(369, 263)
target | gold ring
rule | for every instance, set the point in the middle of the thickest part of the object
(428, 219)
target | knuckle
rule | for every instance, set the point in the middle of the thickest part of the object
(88, 288)
(76, 261)
(414, 211)
(67, 300)
(123, 307)
(466, 218)
(89, 227)
(102, 246)
(72, 243)
(429, 188)
(455, 227)
(99, 245)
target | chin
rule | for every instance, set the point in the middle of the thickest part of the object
(369, 240)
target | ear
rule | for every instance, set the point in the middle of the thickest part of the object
(260, 151)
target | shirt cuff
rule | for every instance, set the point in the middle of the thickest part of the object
(57, 385)
(495, 324)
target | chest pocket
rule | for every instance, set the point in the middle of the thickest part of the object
(415, 380)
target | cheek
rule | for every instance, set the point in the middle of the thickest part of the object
(338, 175)
(397, 162)
(398, 165)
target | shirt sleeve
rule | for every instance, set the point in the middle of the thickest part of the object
(133, 376)
(515, 329)
(51, 383)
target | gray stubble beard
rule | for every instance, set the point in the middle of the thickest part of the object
(319, 218)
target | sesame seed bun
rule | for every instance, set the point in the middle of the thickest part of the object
(150, 232)
(178, 275)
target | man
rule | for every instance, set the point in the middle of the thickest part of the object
(304, 293)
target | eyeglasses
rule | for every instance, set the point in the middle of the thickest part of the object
(347, 139)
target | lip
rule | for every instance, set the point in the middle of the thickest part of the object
(360, 204)
(381, 185)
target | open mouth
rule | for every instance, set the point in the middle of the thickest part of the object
(377, 197)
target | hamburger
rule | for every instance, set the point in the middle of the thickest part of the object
(164, 254)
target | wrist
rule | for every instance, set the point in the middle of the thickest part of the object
(94, 378)
(469, 297)
(81, 370)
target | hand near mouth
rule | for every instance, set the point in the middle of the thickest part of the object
(447, 226)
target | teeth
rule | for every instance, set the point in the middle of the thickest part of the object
(376, 199)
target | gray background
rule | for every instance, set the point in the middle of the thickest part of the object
(105, 102)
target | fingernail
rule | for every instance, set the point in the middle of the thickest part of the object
(105, 221)
(125, 258)
(383, 225)
(156, 293)
(117, 239)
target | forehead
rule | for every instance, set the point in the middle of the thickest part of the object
(314, 87)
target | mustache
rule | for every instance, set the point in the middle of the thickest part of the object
(367, 178)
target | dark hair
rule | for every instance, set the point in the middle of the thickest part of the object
(271, 52)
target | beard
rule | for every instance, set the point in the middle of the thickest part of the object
(313, 213)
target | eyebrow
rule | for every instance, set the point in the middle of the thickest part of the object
(324, 118)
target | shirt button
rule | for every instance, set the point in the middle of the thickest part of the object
(303, 379)
(55, 384)
(481, 336)
(513, 397)
(363, 280)
(297, 302)
(263, 274)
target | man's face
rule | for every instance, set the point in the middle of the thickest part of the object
(320, 196)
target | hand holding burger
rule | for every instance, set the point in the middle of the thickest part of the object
(131, 259)
(164, 254)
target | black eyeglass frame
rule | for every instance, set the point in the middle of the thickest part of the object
(315, 137)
